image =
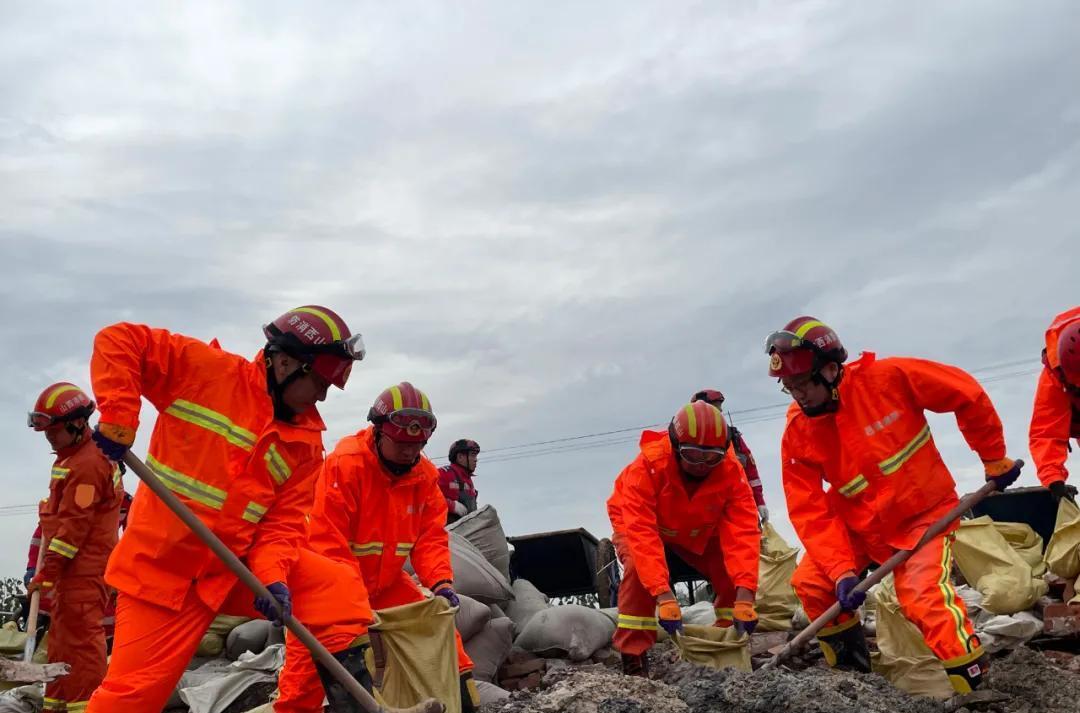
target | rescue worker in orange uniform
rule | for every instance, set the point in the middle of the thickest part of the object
(1056, 416)
(686, 494)
(240, 443)
(377, 503)
(860, 430)
(79, 520)
(742, 452)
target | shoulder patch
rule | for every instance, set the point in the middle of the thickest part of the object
(84, 495)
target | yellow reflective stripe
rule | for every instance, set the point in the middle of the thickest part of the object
(692, 418)
(366, 548)
(254, 512)
(212, 421)
(59, 473)
(724, 613)
(893, 463)
(945, 585)
(187, 486)
(55, 394)
(855, 486)
(334, 331)
(668, 533)
(802, 330)
(424, 403)
(276, 465)
(637, 623)
(53, 704)
(403, 549)
(77, 706)
(62, 548)
(116, 475)
(399, 402)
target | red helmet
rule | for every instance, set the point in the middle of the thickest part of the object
(699, 424)
(1068, 352)
(403, 413)
(803, 346)
(709, 396)
(319, 338)
(59, 404)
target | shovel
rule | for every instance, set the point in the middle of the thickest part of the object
(318, 651)
(966, 503)
(35, 607)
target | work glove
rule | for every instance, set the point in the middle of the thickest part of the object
(28, 576)
(1003, 472)
(1059, 490)
(460, 510)
(281, 596)
(37, 582)
(114, 441)
(849, 599)
(670, 614)
(745, 617)
(763, 514)
(446, 591)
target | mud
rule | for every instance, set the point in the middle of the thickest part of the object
(1034, 683)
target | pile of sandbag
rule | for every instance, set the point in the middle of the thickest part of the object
(1007, 582)
(1062, 555)
(483, 529)
(776, 599)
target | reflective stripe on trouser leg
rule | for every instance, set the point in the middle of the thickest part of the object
(929, 600)
(77, 637)
(635, 632)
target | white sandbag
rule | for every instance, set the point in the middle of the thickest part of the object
(490, 693)
(215, 694)
(249, 636)
(490, 647)
(1001, 632)
(471, 617)
(699, 614)
(567, 631)
(496, 611)
(24, 699)
(483, 529)
(528, 600)
(474, 576)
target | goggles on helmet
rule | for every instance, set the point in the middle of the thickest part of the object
(784, 342)
(351, 348)
(413, 422)
(700, 455)
(40, 421)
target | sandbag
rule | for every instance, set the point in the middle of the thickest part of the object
(714, 647)
(904, 659)
(1001, 632)
(489, 648)
(471, 617)
(1062, 555)
(995, 569)
(699, 614)
(567, 631)
(528, 600)
(417, 643)
(776, 600)
(1026, 542)
(215, 693)
(22, 699)
(249, 636)
(213, 641)
(490, 693)
(474, 576)
(12, 641)
(483, 529)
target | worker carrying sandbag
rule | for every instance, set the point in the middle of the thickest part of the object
(742, 451)
(456, 479)
(78, 520)
(860, 429)
(1056, 416)
(686, 493)
(239, 442)
(377, 504)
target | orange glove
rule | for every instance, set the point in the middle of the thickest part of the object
(745, 616)
(669, 613)
(1003, 472)
(38, 583)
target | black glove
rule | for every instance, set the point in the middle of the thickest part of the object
(1060, 490)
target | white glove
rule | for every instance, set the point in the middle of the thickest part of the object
(460, 510)
(763, 513)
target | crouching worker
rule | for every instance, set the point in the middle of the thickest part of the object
(685, 493)
(377, 503)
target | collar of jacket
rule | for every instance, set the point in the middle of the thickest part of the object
(310, 420)
(462, 473)
(367, 443)
(74, 448)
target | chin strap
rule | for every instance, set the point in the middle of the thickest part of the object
(395, 468)
(277, 390)
(833, 402)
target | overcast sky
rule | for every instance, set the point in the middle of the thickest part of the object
(557, 219)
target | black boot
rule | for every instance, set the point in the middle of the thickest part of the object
(338, 697)
(636, 665)
(845, 647)
(470, 696)
(965, 678)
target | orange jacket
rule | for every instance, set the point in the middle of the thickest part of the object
(216, 445)
(650, 508)
(80, 517)
(372, 520)
(886, 478)
(1056, 414)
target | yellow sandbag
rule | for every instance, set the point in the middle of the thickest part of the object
(1027, 543)
(12, 641)
(1062, 555)
(776, 600)
(417, 641)
(904, 659)
(714, 647)
(213, 641)
(995, 569)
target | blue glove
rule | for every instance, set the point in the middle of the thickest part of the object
(282, 598)
(113, 450)
(447, 592)
(849, 599)
(30, 571)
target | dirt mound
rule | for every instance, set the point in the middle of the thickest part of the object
(1034, 683)
(595, 690)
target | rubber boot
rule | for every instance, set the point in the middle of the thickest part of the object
(470, 696)
(636, 665)
(338, 698)
(845, 647)
(967, 677)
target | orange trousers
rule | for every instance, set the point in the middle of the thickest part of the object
(637, 624)
(152, 648)
(328, 597)
(77, 637)
(926, 595)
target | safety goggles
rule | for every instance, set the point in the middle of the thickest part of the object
(700, 455)
(351, 348)
(413, 422)
(784, 341)
(39, 421)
